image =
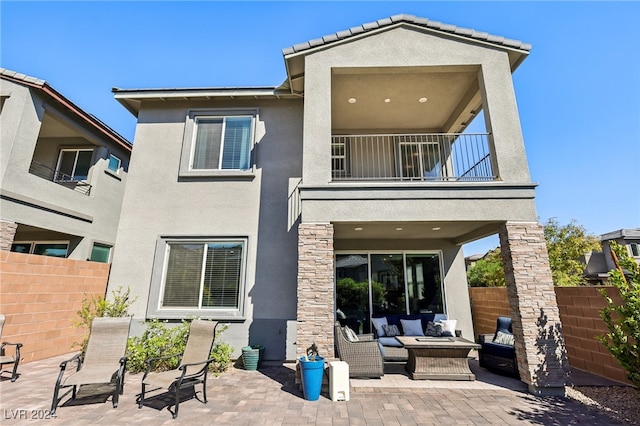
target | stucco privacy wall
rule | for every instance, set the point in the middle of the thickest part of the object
(579, 312)
(41, 295)
(410, 47)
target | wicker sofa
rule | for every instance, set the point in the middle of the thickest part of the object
(362, 353)
(498, 352)
(392, 350)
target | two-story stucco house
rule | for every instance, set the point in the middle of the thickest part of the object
(63, 173)
(346, 192)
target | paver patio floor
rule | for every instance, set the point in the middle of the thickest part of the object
(270, 396)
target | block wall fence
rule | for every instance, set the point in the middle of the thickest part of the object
(40, 296)
(580, 316)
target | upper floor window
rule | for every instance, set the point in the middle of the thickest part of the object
(114, 163)
(218, 142)
(73, 164)
(222, 143)
(635, 249)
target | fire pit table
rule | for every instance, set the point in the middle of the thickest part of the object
(438, 358)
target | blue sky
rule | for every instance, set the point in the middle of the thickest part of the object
(578, 92)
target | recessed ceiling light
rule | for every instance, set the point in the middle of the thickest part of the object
(387, 100)
(422, 100)
(352, 100)
(437, 228)
(357, 229)
(398, 229)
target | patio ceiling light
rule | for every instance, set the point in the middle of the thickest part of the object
(387, 100)
(358, 229)
(398, 229)
(422, 100)
(352, 100)
(436, 228)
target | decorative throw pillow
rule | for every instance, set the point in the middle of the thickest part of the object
(378, 323)
(391, 330)
(504, 338)
(412, 327)
(433, 329)
(449, 327)
(350, 334)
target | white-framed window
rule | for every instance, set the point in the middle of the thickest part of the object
(100, 253)
(43, 248)
(218, 143)
(114, 163)
(73, 164)
(202, 276)
(634, 249)
(222, 143)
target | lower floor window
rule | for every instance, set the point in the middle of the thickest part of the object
(54, 249)
(375, 284)
(100, 253)
(203, 274)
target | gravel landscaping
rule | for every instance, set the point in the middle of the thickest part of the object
(621, 403)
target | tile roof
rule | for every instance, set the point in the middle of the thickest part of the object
(409, 19)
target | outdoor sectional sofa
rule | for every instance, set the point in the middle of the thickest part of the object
(392, 350)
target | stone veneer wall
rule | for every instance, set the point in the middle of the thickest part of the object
(315, 288)
(7, 232)
(540, 349)
(40, 297)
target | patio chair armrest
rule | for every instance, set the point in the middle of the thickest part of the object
(76, 357)
(485, 338)
(18, 345)
(183, 368)
(151, 361)
(366, 337)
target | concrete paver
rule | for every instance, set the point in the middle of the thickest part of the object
(270, 396)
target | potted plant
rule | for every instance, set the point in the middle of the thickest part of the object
(312, 370)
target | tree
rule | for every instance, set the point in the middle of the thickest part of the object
(623, 321)
(487, 272)
(566, 246)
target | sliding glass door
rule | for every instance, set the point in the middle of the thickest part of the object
(376, 284)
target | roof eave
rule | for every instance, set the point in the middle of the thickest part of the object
(70, 106)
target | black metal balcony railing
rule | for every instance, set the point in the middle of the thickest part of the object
(409, 157)
(60, 178)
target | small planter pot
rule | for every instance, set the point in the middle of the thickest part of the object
(311, 373)
(250, 358)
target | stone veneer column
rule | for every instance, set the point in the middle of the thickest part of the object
(7, 232)
(315, 288)
(540, 349)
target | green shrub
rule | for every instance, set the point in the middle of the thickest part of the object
(98, 306)
(161, 339)
(623, 321)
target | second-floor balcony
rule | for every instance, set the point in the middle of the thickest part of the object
(76, 183)
(412, 157)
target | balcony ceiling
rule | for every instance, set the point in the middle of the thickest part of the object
(53, 128)
(458, 232)
(389, 99)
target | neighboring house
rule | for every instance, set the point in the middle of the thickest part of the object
(349, 188)
(598, 264)
(63, 173)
